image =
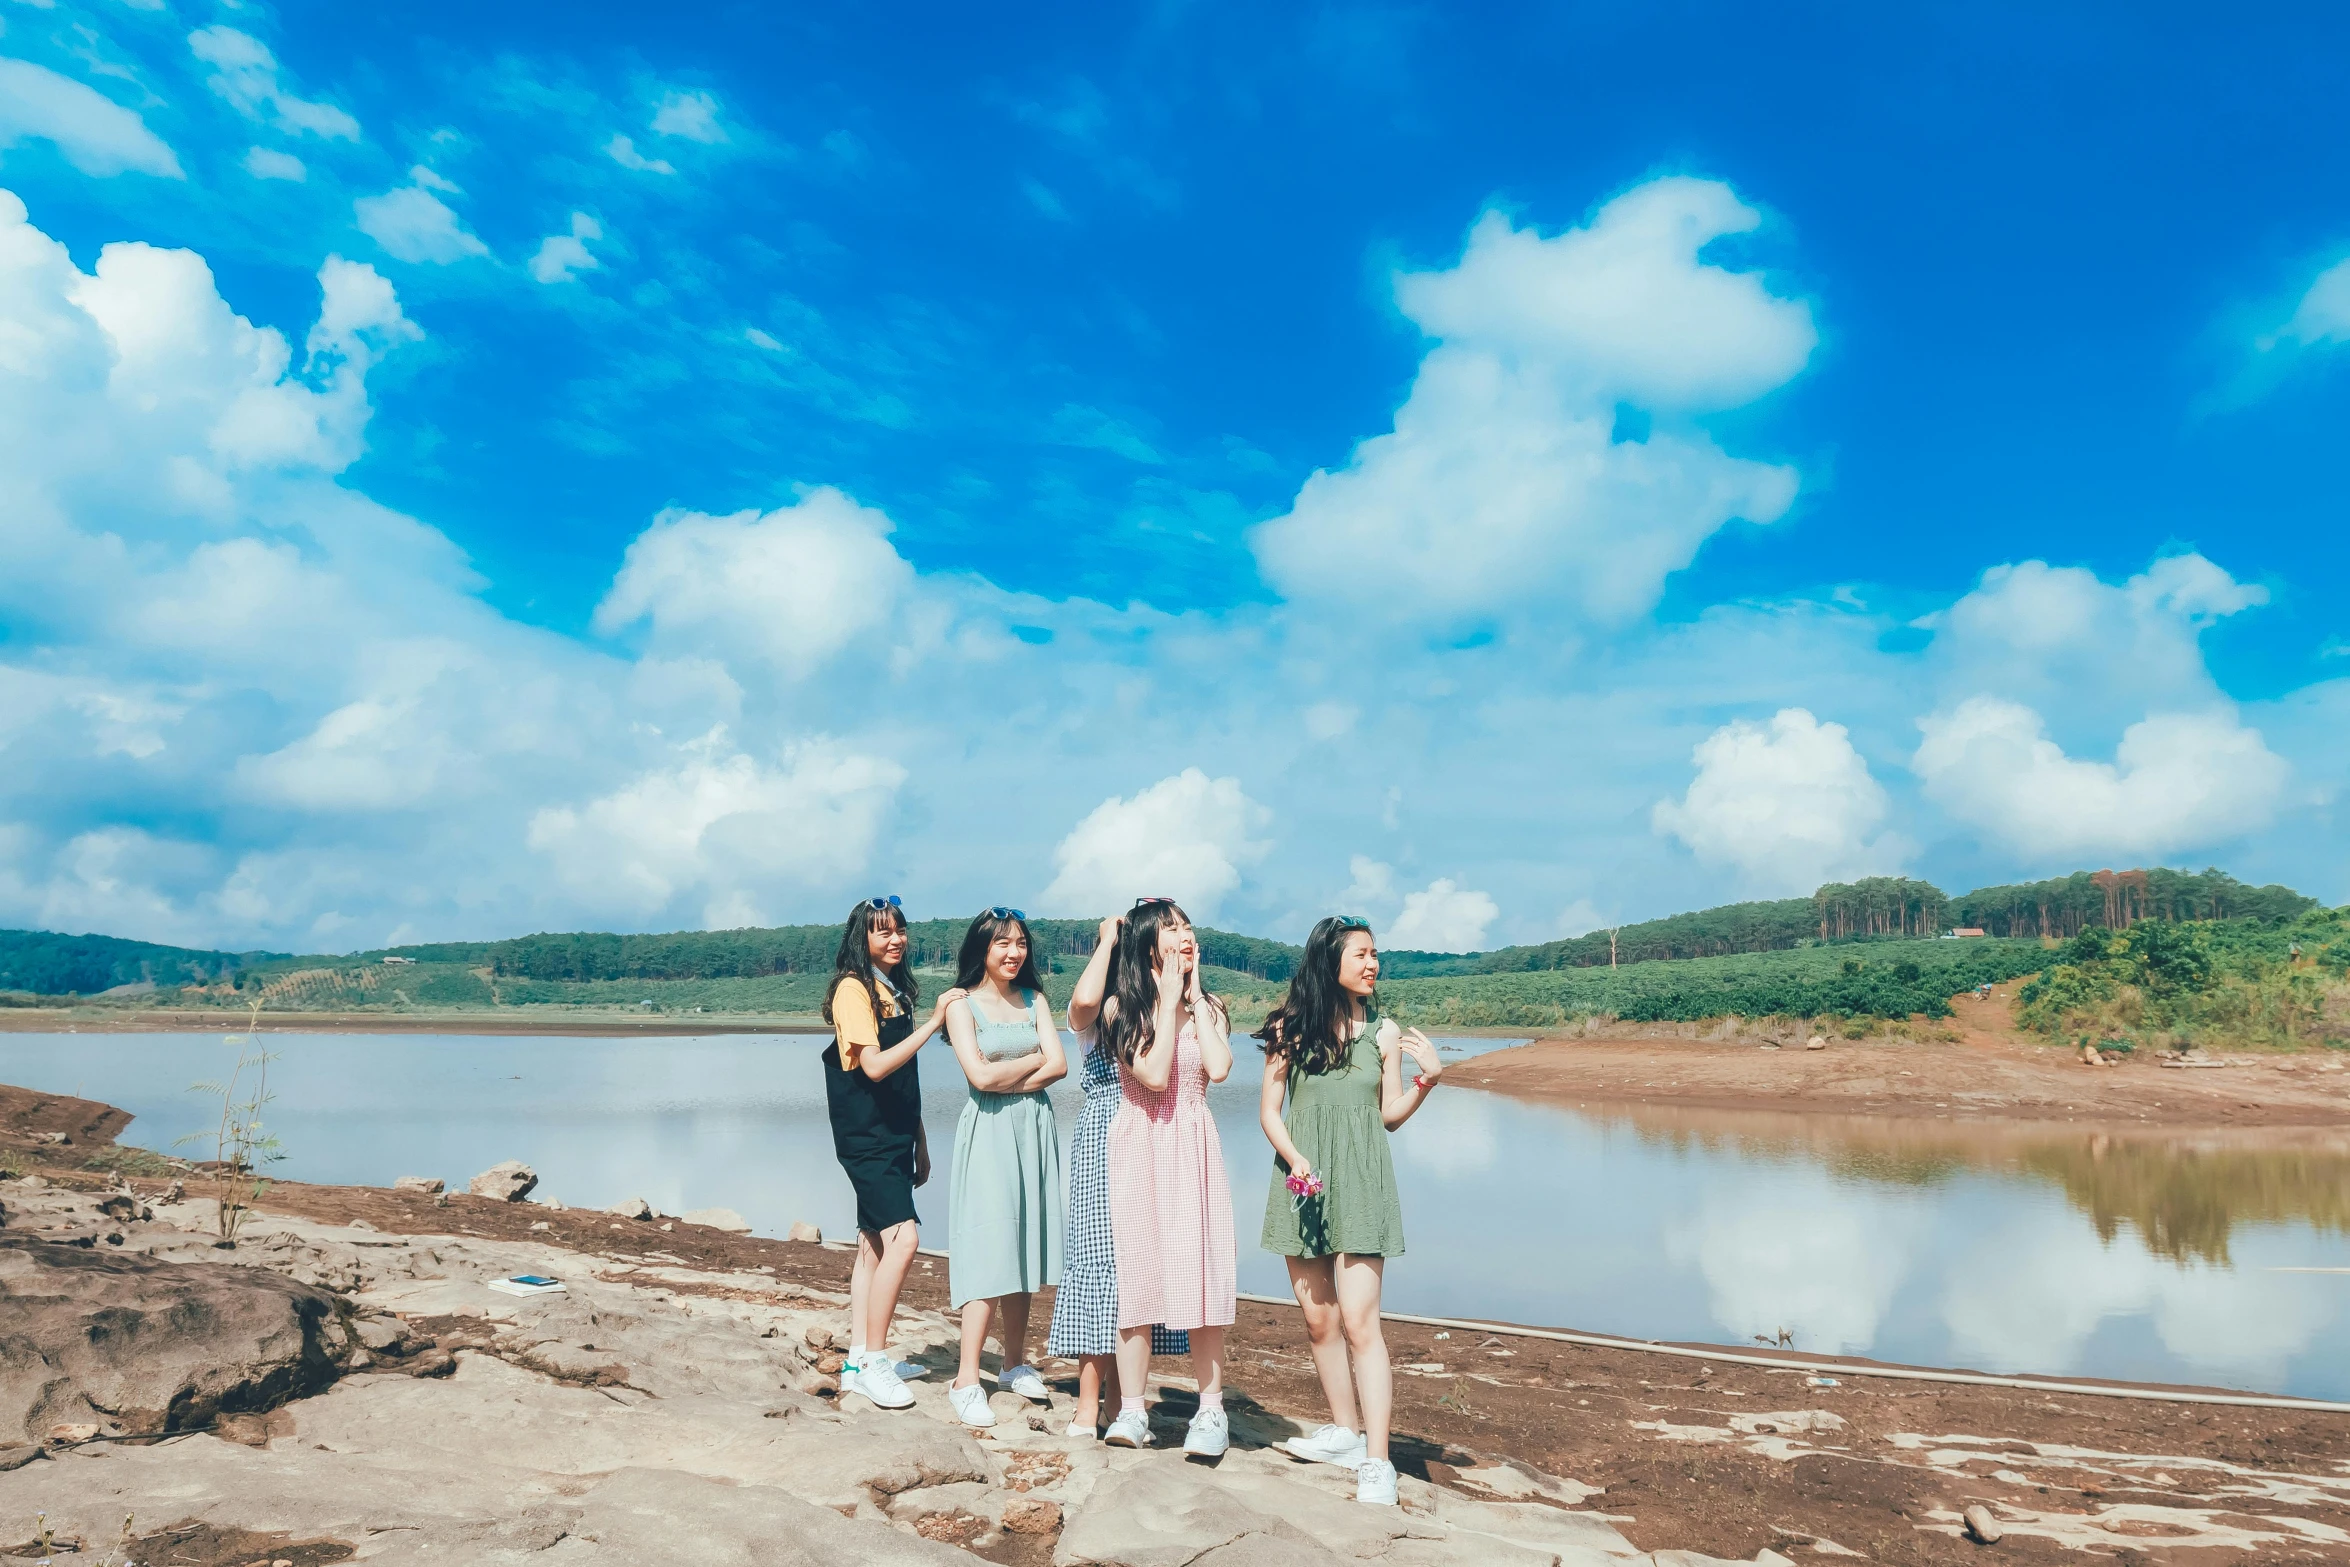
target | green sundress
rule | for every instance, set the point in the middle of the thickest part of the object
(1334, 1119)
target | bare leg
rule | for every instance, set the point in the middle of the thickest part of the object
(1359, 1279)
(975, 1323)
(1134, 1363)
(1207, 1361)
(1012, 1332)
(893, 1258)
(861, 1284)
(1093, 1371)
(1313, 1278)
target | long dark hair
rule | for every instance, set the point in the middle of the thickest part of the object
(1132, 983)
(855, 958)
(971, 960)
(1309, 1027)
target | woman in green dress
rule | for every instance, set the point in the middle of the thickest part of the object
(1004, 1203)
(1333, 1210)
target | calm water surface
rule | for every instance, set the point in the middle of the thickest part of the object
(2211, 1259)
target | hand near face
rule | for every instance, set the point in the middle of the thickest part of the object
(1107, 932)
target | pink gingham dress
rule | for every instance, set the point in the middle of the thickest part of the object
(1170, 1206)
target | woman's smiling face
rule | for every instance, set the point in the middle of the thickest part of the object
(1358, 964)
(1178, 940)
(1007, 953)
(885, 942)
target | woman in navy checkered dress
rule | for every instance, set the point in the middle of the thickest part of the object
(1085, 1311)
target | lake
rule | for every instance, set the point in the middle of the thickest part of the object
(2207, 1258)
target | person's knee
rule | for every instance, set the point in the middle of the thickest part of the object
(899, 1240)
(1362, 1329)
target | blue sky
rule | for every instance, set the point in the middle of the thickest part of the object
(748, 458)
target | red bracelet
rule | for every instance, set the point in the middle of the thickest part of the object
(1423, 1082)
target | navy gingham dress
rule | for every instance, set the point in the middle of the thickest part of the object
(1085, 1309)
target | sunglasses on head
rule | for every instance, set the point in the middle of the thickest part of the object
(1156, 897)
(1352, 922)
(890, 902)
(999, 912)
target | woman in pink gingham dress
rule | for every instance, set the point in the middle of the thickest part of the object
(1170, 1206)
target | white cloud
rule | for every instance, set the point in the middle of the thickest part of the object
(414, 224)
(1791, 1248)
(265, 163)
(718, 820)
(1372, 883)
(792, 587)
(2322, 316)
(561, 255)
(691, 116)
(94, 133)
(759, 339)
(1790, 804)
(622, 150)
(1078, 425)
(2178, 781)
(1442, 917)
(1188, 837)
(245, 74)
(1504, 487)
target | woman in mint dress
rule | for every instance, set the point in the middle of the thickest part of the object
(1005, 1213)
(1338, 1064)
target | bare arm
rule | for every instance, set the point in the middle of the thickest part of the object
(878, 1064)
(1156, 1064)
(1085, 1002)
(1213, 1025)
(989, 1077)
(1397, 1100)
(1269, 1116)
(1050, 1063)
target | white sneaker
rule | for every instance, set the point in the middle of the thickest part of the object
(1375, 1483)
(971, 1404)
(1082, 1428)
(1210, 1434)
(879, 1383)
(1130, 1430)
(1330, 1445)
(1024, 1381)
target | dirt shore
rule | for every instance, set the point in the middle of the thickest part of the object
(1978, 1067)
(1727, 1459)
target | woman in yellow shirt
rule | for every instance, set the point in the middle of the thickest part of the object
(873, 1090)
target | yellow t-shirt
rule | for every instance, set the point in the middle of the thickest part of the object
(853, 1024)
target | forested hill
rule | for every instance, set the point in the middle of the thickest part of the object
(1881, 907)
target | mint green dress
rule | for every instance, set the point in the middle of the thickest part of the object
(1333, 1117)
(1005, 1215)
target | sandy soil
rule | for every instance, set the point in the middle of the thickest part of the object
(1726, 1459)
(1976, 1068)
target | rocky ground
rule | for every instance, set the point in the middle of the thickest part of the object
(1975, 1067)
(343, 1385)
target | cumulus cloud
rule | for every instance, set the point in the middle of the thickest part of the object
(94, 133)
(2178, 781)
(791, 587)
(690, 116)
(1789, 804)
(412, 223)
(1442, 917)
(245, 75)
(1507, 483)
(265, 163)
(720, 821)
(1189, 837)
(622, 150)
(561, 255)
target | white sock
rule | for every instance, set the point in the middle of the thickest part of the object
(856, 1357)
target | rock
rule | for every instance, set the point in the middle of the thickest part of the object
(381, 1332)
(53, 1139)
(817, 1385)
(153, 1346)
(718, 1219)
(1816, 1042)
(830, 1362)
(15, 1455)
(2090, 1057)
(634, 1208)
(552, 1204)
(818, 1337)
(542, 1225)
(509, 1181)
(851, 1465)
(1983, 1526)
(1031, 1515)
(572, 1363)
(75, 1431)
(430, 1186)
(1167, 1515)
(34, 1183)
(806, 1233)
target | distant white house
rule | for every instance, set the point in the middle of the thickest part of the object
(389, 959)
(1968, 930)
